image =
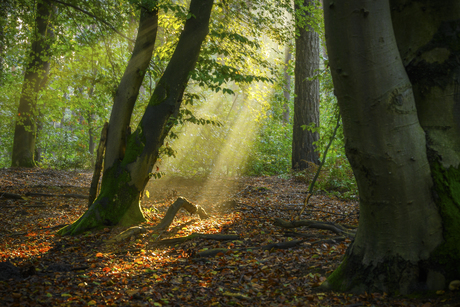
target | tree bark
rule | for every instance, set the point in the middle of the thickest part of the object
(3, 22)
(34, 81)
(399, 224)
(306, 101)
(128, 89)
(94, 188)
(287, 84)
(427, 38)
(124, 181)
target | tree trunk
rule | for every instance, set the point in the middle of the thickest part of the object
(287, 84)
(430, 55)
(124, 181)
(34, 81)
(94, 187)
(399, 225)
(128, 89)
(3, 22)
(306, 101)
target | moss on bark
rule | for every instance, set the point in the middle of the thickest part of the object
(118, 204)
(446, 192)
(134, 147)
(393, 275)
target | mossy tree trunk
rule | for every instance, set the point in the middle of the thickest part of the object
(399, 170)
(306, 99)
(428, 37)
(126, 172)
(35, 78)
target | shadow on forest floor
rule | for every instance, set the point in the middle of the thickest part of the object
(47, 270)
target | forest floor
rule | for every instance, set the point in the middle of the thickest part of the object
(38, 268)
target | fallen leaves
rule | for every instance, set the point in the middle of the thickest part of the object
(140, 271)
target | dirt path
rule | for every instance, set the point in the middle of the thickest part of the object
(46, 270)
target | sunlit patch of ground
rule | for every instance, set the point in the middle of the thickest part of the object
(81, 271)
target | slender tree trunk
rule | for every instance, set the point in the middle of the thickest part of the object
(306, 101)
(128, 89)
(3, 21)
(34, 81)
(399, 225)
(124, 181)
(287, 84)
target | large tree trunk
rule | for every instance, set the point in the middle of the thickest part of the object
(306, 101)
(399, 225)
(34, 81)
(428, 41)
(125, 180)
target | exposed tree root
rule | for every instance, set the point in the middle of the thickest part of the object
(280, 245)
(10, 196)
(17, 196)
(170, 242)
(181, 202)
(336, 228)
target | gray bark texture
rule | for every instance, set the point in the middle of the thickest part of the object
(306, 101)
(399, 226)
(35, 78)
(428, 39)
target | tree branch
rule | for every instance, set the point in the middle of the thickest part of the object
(95, 17)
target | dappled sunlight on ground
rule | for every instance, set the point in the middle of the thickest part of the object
(147, 270)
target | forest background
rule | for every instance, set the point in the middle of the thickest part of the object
(234, 117)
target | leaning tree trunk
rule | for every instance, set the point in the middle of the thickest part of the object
(128, 89)
(34, 81)
(306, 100)
(399, 224)
(431, 56)
(125, 180)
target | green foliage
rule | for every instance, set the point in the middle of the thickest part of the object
(272, 153)
(231, 121)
